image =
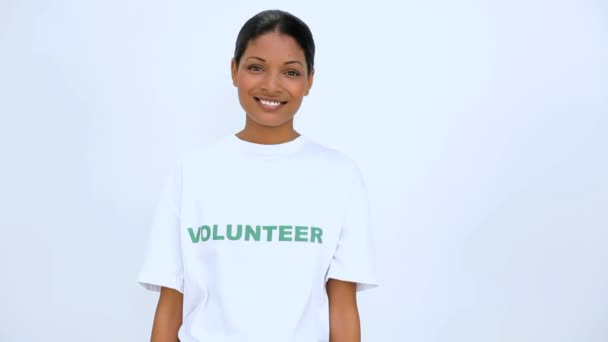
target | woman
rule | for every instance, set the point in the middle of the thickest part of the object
(262, 235)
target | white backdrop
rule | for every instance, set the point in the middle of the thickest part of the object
(481, 128)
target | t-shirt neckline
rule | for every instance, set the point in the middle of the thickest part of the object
(268, 149)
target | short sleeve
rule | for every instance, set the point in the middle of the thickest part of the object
(162, 264)
(353, 259)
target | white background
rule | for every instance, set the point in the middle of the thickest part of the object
(481, 128)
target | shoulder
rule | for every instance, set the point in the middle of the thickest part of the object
(334, 158)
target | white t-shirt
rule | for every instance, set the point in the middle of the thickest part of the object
(250, 233)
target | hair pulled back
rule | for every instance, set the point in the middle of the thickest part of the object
(281, 22)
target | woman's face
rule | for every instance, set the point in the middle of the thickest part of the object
(272, 78)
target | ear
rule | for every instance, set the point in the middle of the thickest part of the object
(309, 85)
(233, 70)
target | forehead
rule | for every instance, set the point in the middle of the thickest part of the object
(274, 45)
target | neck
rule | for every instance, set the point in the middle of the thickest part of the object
(259, 134)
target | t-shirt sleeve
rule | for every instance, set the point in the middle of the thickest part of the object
(162, 264)
(353, 259)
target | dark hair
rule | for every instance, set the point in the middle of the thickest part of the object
(281, 22)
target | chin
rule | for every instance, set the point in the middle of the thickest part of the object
(270, 120)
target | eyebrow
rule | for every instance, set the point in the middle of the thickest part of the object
(263, 60)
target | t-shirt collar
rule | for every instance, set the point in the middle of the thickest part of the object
(284, 148)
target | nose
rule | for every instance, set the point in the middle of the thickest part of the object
(271, 83)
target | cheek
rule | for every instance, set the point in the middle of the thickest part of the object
(245, 83)
(298, 90)
(295, 87)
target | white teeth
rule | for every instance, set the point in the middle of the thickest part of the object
(270, 103)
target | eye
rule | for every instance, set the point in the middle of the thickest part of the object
(254, 68)
(292, 73)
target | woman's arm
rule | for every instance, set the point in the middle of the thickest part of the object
(168, 316)
(344, 324)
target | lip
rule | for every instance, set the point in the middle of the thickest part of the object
(269, 108)
(273, 99)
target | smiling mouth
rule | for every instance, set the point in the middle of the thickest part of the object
(270, 104)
